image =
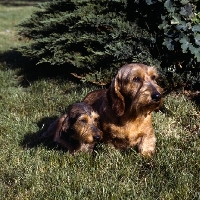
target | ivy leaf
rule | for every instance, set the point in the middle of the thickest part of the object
(197, 39)
(196, 28)
(164, 25)
(169, 6)
(184, 2)
(187, 10)
(169, 43)
(175, 20)
(149, 2)
(195, 51)
(185, 43)
(182, 26)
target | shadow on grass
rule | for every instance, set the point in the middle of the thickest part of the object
(29, 71)
(32, 140)
(20, 3)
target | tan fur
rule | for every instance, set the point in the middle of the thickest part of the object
(125, 108)
(77, 130)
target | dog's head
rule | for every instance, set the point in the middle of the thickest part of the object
(82, 122)
(134, 90)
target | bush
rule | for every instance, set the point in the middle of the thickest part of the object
(93, 39)
(176, 32)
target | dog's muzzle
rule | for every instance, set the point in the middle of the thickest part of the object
(96, 138)
(156, 96)
(97, 134)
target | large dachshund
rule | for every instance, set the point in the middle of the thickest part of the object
(125, 108)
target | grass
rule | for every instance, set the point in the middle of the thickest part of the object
(30, 98)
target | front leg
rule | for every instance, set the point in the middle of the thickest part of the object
(147, 144)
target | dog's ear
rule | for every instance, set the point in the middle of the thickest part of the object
(62, 124)
(116, 98)
(65, 123)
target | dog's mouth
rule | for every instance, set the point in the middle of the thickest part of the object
(152, 101)
(147, 107)
(155, 103)
(91, 139)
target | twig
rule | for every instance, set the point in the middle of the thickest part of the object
(93, 82)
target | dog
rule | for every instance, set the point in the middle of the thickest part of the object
(77, 130)
(125, 108)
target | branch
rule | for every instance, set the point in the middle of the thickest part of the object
(93, 82)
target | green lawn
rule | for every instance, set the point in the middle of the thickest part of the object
(30, 98)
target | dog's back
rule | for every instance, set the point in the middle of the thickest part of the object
(95, 99)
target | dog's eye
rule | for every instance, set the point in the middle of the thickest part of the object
(83, 120)
(153, 78)
(96, 120)
(137, 79)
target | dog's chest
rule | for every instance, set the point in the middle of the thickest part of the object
(127, 134)
(86, 147)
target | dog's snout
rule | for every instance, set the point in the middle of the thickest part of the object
(96, 134)
(156, 96)
(96, 137)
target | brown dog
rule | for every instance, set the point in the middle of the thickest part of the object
(77, 130)
(125, 108)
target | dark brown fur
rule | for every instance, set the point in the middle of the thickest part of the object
(77, 130)
(125, 108)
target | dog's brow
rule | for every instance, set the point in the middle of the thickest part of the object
(152, 72)
(83, 116)
(94, 115)
(136, 72)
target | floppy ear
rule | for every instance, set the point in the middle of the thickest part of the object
(117, 100)
(65, 122)
(61, 125)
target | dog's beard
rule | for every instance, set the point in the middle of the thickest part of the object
(143, 107)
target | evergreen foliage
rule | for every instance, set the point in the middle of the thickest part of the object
(94, 38)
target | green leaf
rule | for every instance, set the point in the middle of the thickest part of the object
(176, 20)
(149, 2)
(182, 26)
(184, 2)
(196, 28)
(197, 39)
(169, 6)
(169, 43)
(164, 24)
(185, 43)
(187, 10)
(195, 51)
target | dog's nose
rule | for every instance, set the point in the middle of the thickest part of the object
(156, 96)
(96, 137)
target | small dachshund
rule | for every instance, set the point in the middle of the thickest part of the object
(125, 108)
(77, 130)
